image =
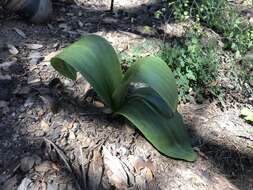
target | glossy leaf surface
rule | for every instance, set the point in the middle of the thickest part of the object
(96, 60)
(158, 123)
(152, 109)
(154, 73)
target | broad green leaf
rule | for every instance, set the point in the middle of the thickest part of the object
(163, 128)
(96, 60)
(156, 74)
(152, 109)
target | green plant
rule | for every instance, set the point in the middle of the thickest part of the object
(222, 17)
(240, 72)
(244, 71)
(158, 14)
(195, 67)
(146, 95)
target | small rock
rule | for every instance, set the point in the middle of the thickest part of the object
(34, 46)
(80, 23)
(33, 81)
(56, 45)
(34, 54)
(99, 104)
(12, 49)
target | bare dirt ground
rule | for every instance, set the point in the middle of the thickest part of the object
(52, 139)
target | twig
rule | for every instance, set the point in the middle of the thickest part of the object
(82, 167)
(243, 137)
(61, 154)
(63, 157)
(111, 8)
(90, 114)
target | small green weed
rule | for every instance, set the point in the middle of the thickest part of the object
(222, 17)
(244, 70)
(195, 67)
